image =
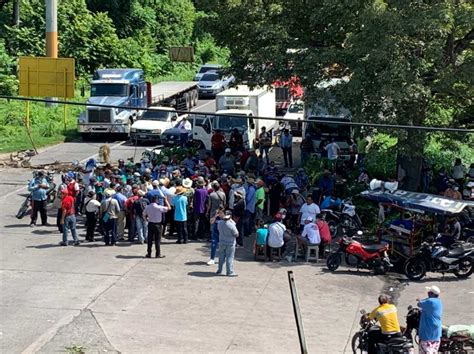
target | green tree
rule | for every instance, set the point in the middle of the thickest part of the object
(407, 62)
(8, 81)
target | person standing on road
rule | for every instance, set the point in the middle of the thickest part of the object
(307, 148)
(264, 143)
(259, 200)
(139, 207)
(153, 213)
(38, 188)
(68, 219)
(308, 209)
(121, 199)
(429, 331)
(91, 208)
(200, 202)
(184, 128)
(227, 235)
(286, 144)
(108, 212)
(180, 203)
(333, 150)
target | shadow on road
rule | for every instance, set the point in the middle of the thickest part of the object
(198, 263)
(43, 232)
(121, 256)
(14, 226)
(45, 246)
(202, 274)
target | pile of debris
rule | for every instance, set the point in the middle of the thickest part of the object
(19, 159)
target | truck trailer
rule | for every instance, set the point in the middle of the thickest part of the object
(128, 89)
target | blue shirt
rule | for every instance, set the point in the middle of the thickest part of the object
(262, 236)
(121, 199)
(286, 141)
(180, 203)
(37, 193)
(250, 198)
(157, 192)
(430, 321)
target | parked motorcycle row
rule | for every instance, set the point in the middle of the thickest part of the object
(459, 341)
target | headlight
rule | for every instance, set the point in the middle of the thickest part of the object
(81, 121)
(118, 121)
(156, 131)
(133, 130)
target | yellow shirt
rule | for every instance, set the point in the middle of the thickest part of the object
(386, 314)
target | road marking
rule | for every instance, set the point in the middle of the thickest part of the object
(204, 105)
(82, 161)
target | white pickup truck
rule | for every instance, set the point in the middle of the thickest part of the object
(154, 122)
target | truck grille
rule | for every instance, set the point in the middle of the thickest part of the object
(99, 115)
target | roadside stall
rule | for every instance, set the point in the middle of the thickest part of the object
(420, 216)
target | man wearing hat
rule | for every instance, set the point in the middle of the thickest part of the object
(264, 142)
(91, 207)
(430, 327)
(141, 225)
(310, 234)
(227, 162)
(227, 235)
(180, 203)
(38, 188)
(108, 213)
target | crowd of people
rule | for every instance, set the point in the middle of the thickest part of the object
(223, 199)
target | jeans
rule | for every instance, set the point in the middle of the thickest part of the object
(154, 235)
(182, 231)
(121, 224)
(264, 149)
(288, 156)
(214, 240)
(110, 229)
(142, 228)
(70, 224)
(91, 221)
(200, 225)
(249, 222)
(226, 253)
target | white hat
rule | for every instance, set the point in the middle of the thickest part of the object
(309, 218)
(187, 183)
(295, 191)
(227, 150)
(155, 183)
(433, 289)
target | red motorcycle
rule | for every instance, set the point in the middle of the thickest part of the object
(373, 257)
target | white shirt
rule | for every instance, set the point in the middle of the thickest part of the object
(185, 125)
(332, 150)
(311, 232)
(309, 210)
(91, 205)
(276, 231)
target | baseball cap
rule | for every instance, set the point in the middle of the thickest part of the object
(433, 289)
(227, 215)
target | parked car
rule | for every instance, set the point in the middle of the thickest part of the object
(214, 82)
(152, 123)
(205, 68)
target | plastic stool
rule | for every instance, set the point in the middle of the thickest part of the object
(312, 248)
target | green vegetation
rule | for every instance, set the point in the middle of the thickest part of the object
(119, 33)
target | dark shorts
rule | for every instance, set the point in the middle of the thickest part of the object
(258, 214)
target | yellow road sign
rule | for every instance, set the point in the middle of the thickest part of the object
(48, 77)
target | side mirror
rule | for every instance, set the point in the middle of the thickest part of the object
(252, 125)
(174, 118)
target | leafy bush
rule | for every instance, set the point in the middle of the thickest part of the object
(8, 81)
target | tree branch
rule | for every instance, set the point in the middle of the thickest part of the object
(463, 43)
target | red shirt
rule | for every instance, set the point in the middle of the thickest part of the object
(210, 162)
(218, 141)
(129, 204)
(67, 205)
(324, 231)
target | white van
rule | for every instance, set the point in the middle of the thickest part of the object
(152, 123)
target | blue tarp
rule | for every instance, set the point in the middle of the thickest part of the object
(419, 201)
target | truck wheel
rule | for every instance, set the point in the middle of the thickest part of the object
(187, 100)
(195, 97)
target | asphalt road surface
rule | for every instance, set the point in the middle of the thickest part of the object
(111, 299)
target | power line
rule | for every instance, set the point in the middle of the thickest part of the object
(280, 119)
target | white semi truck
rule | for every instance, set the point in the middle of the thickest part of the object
(128, 88)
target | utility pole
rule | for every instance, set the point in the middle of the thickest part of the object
(51, 31)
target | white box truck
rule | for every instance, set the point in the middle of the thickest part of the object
(239, 105)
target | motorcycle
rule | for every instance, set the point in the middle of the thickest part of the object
(437, 258)
(26, 205)
(453, 344)
(365, 256)
(343, 216)
(360, 340)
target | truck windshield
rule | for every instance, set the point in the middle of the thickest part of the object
(330, 129)
(120, 90)
(156, 115)
(228, 123)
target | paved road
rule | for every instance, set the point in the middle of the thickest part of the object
(112, 299)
